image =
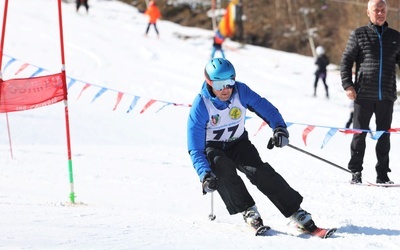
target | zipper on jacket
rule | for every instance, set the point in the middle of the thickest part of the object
(380, 63)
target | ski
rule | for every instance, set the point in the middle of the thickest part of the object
(372, 184)
(323, 232)
(320, 232)
(262, 231)
(382, 184)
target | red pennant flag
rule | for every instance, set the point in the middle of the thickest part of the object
(350, 131)
(29, 93)
(119, 97)
(21, 68)
(85, 87)
(306, 132)
(261, 126)
(394, 130)
(148, 105)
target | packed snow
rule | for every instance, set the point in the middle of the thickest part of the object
(133, 179)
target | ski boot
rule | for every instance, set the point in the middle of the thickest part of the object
(253, 218)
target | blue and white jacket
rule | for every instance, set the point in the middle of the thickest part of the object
(212, 120)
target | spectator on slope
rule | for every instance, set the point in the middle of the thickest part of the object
(154, 14)
(375, 51)
(322, 62)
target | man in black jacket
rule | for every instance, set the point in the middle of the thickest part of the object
(375, 50)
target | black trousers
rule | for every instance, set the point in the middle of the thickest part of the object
(82, 2)
(155, 27)
(243, 156)
(363, 111)
(323, 78)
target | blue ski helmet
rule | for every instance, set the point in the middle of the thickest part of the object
(219, 69)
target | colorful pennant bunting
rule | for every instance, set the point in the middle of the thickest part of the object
(72, 82)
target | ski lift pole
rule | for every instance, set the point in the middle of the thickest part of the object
(304, 12)
(213, 13)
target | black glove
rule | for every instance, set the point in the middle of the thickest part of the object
(280, 137)
(209, 183)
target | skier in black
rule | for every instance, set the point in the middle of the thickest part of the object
(322, 62)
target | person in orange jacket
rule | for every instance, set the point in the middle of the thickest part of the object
(154, 14)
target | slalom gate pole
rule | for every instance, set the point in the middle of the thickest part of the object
(319, 158)
(71, 175)
(3, 31)
(212, 216)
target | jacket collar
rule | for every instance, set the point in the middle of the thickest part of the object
(371, 25)
(378, 29)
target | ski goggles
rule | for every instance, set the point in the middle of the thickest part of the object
(223, 84)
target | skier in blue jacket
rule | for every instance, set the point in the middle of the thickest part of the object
(218, 145)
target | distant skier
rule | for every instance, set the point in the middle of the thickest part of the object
(217, 44)
(154, 14)
(84, 3)
(322, 62)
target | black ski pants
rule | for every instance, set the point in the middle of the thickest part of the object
(155, 27)
(363, 111)
(243, 156)
(321, 75)
(82, 2)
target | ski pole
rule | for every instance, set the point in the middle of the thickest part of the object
(212, 216)
(319, 158)
(271, 146)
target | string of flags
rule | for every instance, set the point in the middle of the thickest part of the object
(333, 130)
(135, 99)
(72, 82)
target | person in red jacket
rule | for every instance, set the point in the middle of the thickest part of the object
(154, 14)
(217, 44)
